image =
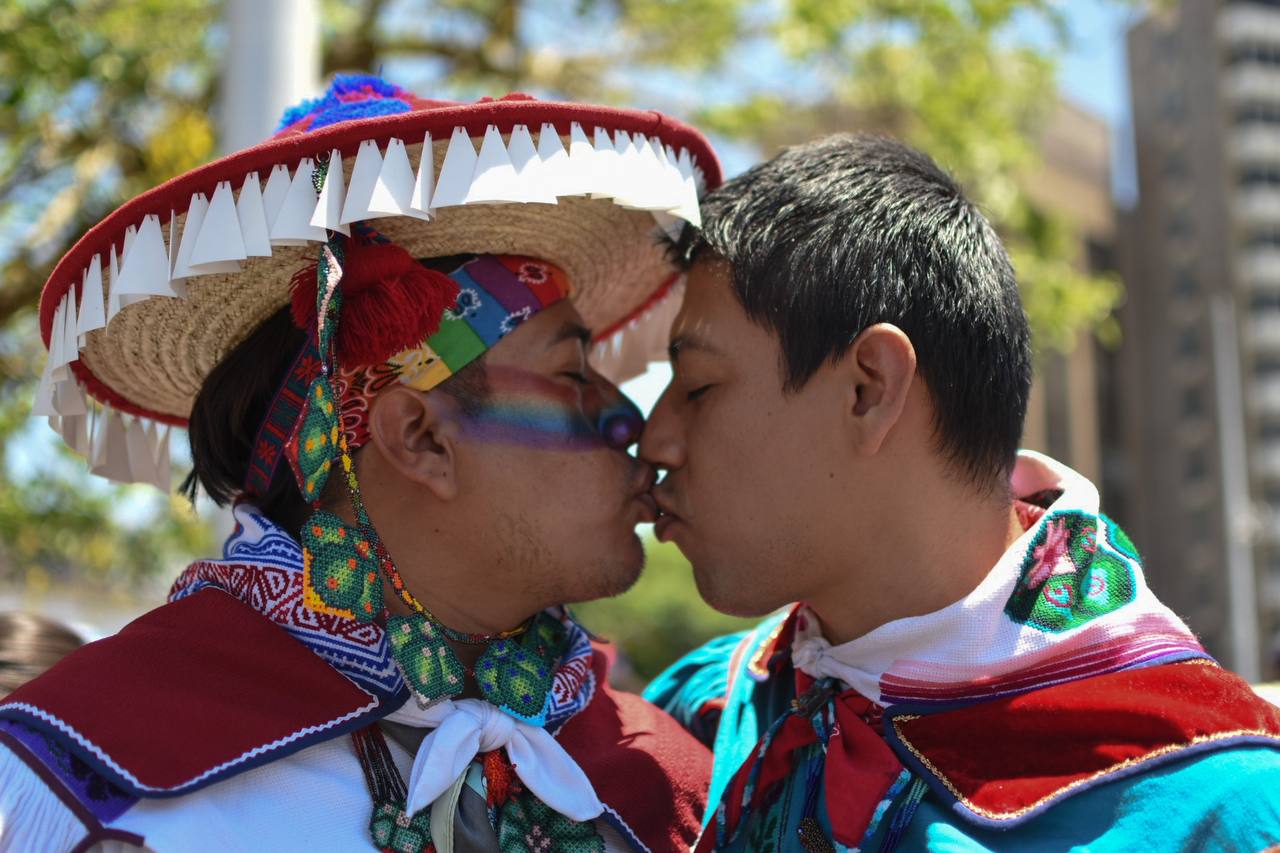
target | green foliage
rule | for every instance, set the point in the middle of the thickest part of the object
(661, 618)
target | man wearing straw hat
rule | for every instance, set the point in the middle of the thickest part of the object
(384, 367)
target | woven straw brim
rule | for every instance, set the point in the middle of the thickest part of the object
(156, 353)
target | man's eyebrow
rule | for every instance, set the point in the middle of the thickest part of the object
(571, 332)
(681, 343)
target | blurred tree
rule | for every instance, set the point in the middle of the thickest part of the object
(100, 99)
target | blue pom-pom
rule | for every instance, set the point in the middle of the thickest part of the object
(380, 98)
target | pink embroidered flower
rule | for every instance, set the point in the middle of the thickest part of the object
(1050, 556)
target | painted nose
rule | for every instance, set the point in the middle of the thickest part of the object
(621, 423)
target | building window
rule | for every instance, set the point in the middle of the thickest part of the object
(1196, 465)
(1185, 285)
(1260, 176)
(1258, 114)
(1192, 405)
(1189, 344)
(1179, 226)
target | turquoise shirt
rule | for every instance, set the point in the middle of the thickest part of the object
(1224, 800)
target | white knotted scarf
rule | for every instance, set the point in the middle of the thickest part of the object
(464, 728)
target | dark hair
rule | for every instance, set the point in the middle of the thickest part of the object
(232, 405)
(30, 644)
(845, 232)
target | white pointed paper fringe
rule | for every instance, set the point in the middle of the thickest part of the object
(252, 214)
(68, 399)
(219, 240)
(142, 459)
(456, 171)
(273, 195)
(364, 180)
(423, 199)
(392, 189)
(42, 405)
(494, 178)
(111, 451)
(93, 307)
(328, 210)
(293, 222)
(144, 272)
(579, 177)
(530, 182)
(553, 160)
(604, 165)
(113, 275)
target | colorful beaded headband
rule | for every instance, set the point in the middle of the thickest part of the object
(493, 294)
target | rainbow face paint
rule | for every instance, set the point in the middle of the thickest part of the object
(532, 410)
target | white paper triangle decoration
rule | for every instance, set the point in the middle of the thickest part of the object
(423, 199)
(328, 210)
(68, 399)
(292, 226)
(554, 165)
(393, 190)
(364, 180)
(456, 171)
(252, 213)
(56, 333)
(70, 352)
(93, 309)
(111, 451)
(219, 241)
(74, 430)
(163, 481)
(142, 459)
(578, 177)
(42, 405)
(145, 269)
(604, 167)
(494, 178)
(628, 188)
(273, 195)
(528, 167)
(113, 297)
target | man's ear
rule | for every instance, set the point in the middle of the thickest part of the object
(879, 370)
(416, 434)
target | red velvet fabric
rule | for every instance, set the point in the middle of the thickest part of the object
(1005, 756)
(859, 769)
(641, 763)
(199, 682)
(188, 687)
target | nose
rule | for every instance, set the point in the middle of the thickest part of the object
(661, 444)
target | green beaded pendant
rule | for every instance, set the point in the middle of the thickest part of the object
(430, 667)
(394, 829)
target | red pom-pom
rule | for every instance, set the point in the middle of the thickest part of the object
(390, 302)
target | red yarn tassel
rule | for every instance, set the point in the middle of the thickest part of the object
(499, 774)
(390, 302)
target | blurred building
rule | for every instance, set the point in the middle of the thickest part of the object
(1199, 371)
(1070, 415)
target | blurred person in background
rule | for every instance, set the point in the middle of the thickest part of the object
(967, 656)
(30, 644)
(423, 468)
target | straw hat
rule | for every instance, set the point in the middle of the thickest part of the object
(139, 311)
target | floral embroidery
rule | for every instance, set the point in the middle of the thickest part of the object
(1077, 569)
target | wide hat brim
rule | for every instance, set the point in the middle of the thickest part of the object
(143, 307)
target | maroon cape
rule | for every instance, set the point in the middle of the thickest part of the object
(204, 688)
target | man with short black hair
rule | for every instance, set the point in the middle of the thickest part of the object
(974, 659)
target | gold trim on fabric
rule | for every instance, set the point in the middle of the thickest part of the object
(1057, 794)
(757, 666)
